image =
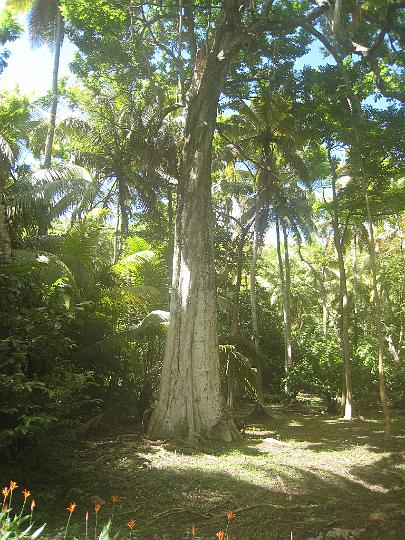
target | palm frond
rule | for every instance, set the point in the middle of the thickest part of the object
(64, 174)
(294, 159)
(50, 267)
(143, 297)
(154, 324)
(239, 366)
(42, 20)
(130, 263)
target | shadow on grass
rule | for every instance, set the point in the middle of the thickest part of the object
(202, 484)
(324, 433)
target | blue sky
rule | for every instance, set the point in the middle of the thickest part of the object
(31, 69)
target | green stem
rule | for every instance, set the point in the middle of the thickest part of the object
(67, 525)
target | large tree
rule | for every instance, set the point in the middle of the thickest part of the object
(190, 400)
(198, 46)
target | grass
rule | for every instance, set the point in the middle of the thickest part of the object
(296, 473)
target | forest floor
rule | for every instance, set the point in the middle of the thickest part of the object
(296, 474)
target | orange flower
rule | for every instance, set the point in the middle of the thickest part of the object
(115, 498)
(220, 535)
(71, 507)
(97, 507)
(230, 515)
(13, 485)
(131, 523)
(33, 505)
(5, 492)
(26, 494)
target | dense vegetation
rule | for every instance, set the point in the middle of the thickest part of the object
(205, 225)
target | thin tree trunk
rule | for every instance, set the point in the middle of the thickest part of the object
(239, 268)
(190, 400)
(378, 319)
(170, 224)
(355, 292)
(325, 312)
(287, 267)
(116, 235)
(181, 97)
(5, 241)
(123, 208)
(55, 97)
(283, 295)
(235, 316)
(253, 264)
(344, 303)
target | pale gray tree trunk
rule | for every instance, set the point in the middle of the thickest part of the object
(55, 97)
(116, 236)
(170, 224)
(235, 314)
(283, 296)
(5, 241)
(355, 292)
(287, 268)
(190, 400)
(378, 319)
(346, 404)
(325, 312)
(253, 265)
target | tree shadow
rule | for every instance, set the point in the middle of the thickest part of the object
(274, 489)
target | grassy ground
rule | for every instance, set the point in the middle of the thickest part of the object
(296, 474)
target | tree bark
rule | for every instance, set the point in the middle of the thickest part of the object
(287, 267)
(5, 241)
(52, 120)
(190, 400)
(253, 264)
(378, 319)
(344, 303)
(116, 235)
(283, 296)
(239, 268)
(170, 224)
(355, 293)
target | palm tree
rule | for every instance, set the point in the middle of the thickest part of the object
(264, 134)
(46, 26)
(132, 150)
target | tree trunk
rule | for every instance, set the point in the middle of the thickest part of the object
(355, 293)
(344, 303)
(54, 106)
(283, 295)
(5, 241)
(239, 268)
(116, 235)
(123, 206)
(378, 320)
(235, 315)
(190, 399)
(253, 264)
(170, 224)
(287, 267)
